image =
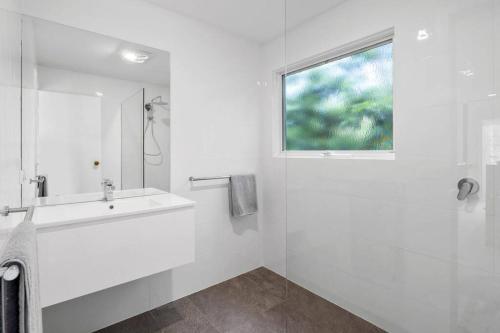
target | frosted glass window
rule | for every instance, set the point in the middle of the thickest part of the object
(341, 104)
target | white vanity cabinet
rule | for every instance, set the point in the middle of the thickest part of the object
(87, 247)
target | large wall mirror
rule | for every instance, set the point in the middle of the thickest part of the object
(94, 108)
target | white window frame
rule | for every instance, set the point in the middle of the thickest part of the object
(328, 56)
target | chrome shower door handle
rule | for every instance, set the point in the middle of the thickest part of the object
(466, 187)
(464, 191)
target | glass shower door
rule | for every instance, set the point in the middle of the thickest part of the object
(132, 141)
(388, 235)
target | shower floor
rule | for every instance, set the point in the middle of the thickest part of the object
(252, 302)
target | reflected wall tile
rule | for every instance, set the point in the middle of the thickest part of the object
(475, 239)
(477, 302)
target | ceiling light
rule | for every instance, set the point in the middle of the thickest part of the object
(492, 95)
(99, 94)
(136, 57)
(423, 34)
(467, 72)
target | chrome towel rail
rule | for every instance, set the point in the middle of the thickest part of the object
(195, 179)
(9, 273)
(28, 210)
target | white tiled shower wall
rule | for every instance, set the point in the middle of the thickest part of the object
(387, 239)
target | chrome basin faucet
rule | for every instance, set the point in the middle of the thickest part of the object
(108, 188)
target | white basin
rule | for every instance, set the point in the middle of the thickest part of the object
(87, 247)
(94, 196)
(50, 216)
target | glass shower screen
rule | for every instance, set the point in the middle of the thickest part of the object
(132, 141)
(383, 234)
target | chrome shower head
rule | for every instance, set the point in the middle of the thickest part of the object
(150, 106)
(158, 101)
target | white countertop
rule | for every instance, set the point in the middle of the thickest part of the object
(59, 215)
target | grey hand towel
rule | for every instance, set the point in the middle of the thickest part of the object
(242, 195)
(21, 250)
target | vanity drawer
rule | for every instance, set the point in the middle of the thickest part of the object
(79, 259)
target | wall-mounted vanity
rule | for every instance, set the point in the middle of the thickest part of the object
(91, 246)
(96, 160)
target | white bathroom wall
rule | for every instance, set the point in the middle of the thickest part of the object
(29, 112)
(387, 239)
(273, 168)
(214, 130)
(10, 109)
(69, 141)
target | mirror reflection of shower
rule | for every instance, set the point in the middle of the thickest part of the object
(156, 104)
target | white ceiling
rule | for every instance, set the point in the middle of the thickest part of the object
(63, 47)
(259, 20)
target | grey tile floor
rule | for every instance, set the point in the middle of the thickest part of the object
(257, 301)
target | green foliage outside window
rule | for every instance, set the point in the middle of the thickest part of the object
(345, 104)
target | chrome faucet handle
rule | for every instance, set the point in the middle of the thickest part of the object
(107, 181)
(467, 187)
